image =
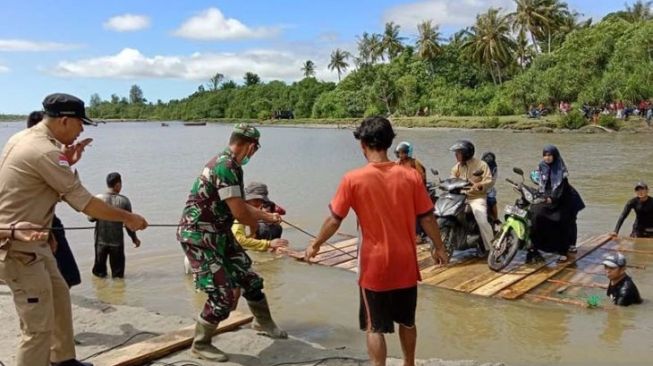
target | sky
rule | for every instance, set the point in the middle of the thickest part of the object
(169, 48)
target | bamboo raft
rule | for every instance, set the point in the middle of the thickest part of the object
(573, 282)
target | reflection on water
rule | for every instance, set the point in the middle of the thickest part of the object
(302, 168)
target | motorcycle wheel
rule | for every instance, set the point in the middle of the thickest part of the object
(503, 251)
(447, 234)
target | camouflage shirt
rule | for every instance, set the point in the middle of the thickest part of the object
(206, 209)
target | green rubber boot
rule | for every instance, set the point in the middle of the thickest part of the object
(263, 319)
(202, 347)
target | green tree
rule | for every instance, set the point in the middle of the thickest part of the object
(531, 16)
(308, 69)
(251, 79)
(489, 43)
(229, 84)
(214, 82)
(391, 42)
(428, 46)
(95, 100)
(136, 95)
(339, 61)
(640, 11)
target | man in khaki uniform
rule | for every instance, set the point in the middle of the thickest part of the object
(35, 174)
(466, 166)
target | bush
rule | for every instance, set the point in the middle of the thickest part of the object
(572, 121)
(609, 121)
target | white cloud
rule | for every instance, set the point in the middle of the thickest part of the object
(211, 25)
(132, 64)
(3, 69)
(21, 45)
(127, 23)
(442, 12)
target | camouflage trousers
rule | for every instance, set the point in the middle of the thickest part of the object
(219, 266)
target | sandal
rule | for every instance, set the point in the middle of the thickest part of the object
(562, 259)
(572, 249)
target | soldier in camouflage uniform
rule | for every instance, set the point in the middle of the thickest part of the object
(219, 263)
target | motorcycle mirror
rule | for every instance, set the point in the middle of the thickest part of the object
(478, 173)
(518, 171)
(434, 172)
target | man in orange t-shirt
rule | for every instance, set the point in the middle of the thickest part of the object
(387, 198)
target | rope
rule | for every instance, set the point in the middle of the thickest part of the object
(315, 237)
(47, 228)
(118, 345)
(320, 361)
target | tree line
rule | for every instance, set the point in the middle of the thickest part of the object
(542, 53)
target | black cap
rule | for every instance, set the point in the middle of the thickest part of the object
(66, 105)
(640, 185)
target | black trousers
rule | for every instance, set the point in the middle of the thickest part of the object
(64, 256)
(116, 256)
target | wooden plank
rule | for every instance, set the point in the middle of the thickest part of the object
(473, 270)
(528, 283)
(487, 277)
(451, 271)
(491, 288)
(160, 346)
(327, 252)
(348, 255)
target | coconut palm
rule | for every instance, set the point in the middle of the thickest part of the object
(390, 41)
(559, 16)
(308, 69)
(428, 46)
(376, 48)
(339, 61)
(489, 43)
(530, 17)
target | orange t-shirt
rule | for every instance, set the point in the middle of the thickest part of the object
(387, 199)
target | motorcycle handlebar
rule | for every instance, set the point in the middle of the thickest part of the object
(511, 182)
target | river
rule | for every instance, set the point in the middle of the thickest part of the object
(302, 168)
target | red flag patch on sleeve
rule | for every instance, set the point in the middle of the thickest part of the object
(63, 161)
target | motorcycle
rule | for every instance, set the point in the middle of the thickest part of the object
(458, 227)
(515, 231)
(432, 187)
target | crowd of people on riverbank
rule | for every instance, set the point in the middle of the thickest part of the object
(619, 109)
(388, 197)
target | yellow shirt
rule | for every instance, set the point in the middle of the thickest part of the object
(240, 232)
(466, 171)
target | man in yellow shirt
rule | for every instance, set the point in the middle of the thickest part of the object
(256, 194)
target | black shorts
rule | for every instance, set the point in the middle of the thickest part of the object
(380, 310)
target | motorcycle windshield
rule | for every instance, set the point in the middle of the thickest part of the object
(450, 205)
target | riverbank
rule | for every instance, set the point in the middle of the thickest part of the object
(99, 326)
(546, 124)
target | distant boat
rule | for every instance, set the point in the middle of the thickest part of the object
(163, 124)
(194, 123)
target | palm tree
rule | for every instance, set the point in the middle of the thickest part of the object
(376, 47)
(339, 61)
(391, 42)
(559, 15)
(524, 52)
(428, 46)
(308, 69)
(489, 43)
(640, 11)
(531, 16)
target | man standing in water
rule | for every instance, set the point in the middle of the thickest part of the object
(109, 237)
(387, 199)
(35, 174)
(218, 262)
(642, 203)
